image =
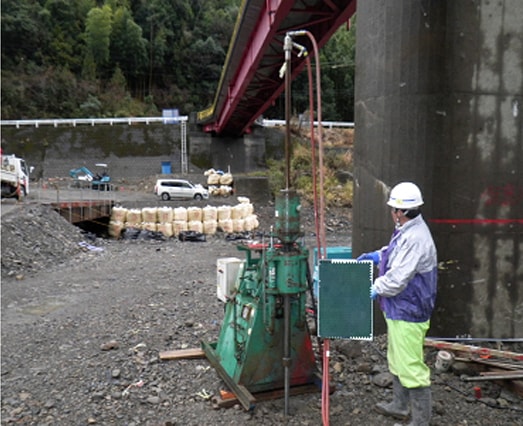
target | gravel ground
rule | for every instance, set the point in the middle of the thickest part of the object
(82, 330)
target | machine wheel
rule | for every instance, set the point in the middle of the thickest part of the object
(166, 196)
(198, 197)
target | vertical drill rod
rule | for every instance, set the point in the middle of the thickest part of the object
(287, 348)
(288, 48)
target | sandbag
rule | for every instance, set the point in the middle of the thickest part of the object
(150, 214)
(210, 227)
(213, 179)
(150, 226)
(209, 213)
(238, 225)
(195, 225)
(134, 216)
(243, 200)
(194, 214)
(225, 225)
(115, 228)
(119, 214)
(179, 226)
(165, 215)
(226, 179)
(224, 212)
(133, 225)
(166, 229)
(180, 214)
(237, 212)
(250, 223)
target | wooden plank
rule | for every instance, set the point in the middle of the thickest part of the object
(219, 402)
(484, 353)
(194, 353)
(494, 364)
(246, 399)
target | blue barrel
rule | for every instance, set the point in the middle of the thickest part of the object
(166, 167)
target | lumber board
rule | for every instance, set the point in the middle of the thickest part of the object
(218, 402)
(194, 353)
(482, 352)
(491, 364)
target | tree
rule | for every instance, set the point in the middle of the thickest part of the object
(65, 21)
(98, 33)
(338, 66)
(128, 47)
(23, 33)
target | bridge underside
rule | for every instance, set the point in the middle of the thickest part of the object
(81, 211)
(250, 79)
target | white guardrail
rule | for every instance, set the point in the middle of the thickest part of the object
(329, 124)
(92, 121)
(144, 120)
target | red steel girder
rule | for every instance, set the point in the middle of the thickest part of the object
(270, 17)
(250, 81)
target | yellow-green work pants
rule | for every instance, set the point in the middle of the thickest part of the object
(405, 352)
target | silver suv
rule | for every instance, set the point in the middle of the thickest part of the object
(178, 188)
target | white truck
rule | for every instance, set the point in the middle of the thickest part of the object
(15, 177)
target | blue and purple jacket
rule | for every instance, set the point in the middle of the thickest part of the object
(407, 284)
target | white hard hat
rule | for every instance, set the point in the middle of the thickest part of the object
(405, 196)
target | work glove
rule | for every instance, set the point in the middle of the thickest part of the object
(374, 256)
(373, 293)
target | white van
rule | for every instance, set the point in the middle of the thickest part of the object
(178, 188)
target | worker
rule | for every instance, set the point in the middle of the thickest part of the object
(406, 291)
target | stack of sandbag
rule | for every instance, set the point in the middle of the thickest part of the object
(226, 179)
(243, 217)
(117, 221)
(194, 219)
(213, 177)
(219, 183)
(179, 220)
(165, 221)
(134, 219)
(172, 221)
(150, 219)
(209, 220)
(224, 219)
(220, 191)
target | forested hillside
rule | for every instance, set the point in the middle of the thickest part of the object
(89, 58)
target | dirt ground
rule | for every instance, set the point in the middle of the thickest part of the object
(82, 329)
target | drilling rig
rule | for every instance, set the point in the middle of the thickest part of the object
(264, 342)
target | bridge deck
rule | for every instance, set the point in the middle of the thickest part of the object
(250, 79)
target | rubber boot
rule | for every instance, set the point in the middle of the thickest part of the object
(421, 403)
(399, 407)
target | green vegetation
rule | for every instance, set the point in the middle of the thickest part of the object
(337, 158)
(110, 58)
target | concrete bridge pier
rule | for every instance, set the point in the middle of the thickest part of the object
(439, 101)
(243, 154)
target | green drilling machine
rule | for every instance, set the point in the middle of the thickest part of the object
(264, 343)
